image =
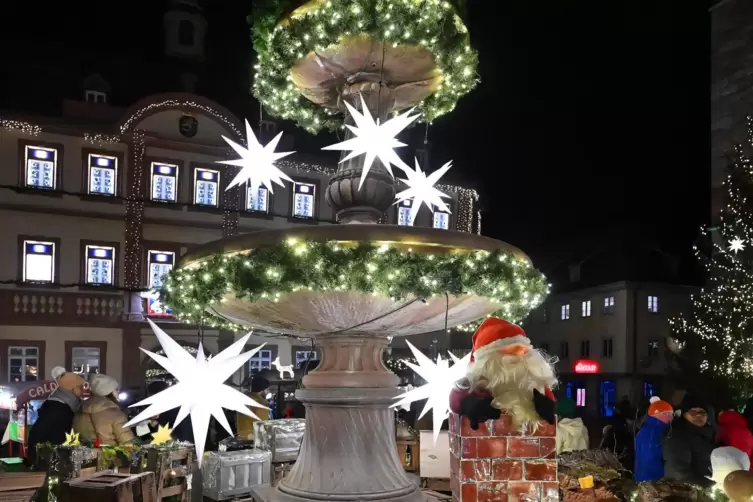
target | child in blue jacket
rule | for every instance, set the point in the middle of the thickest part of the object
(649, 463)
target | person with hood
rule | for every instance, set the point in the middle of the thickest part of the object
(55, 416)
(732, 430)
(688, 446)
(649, 462)
(572, 434)
(245, 423)
(100, 417)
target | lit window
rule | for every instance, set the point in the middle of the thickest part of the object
(301, 356)
(403, 212)
(85, 361)
(441, 219)
(206, 187)
(23, 364)
(585, 348)
(103, 174)
(96, 97)
(164, 182)
(39, 261)
(580, 400)
(609, 304)
(262, 360)
(653, 304)
(100, 265)
(41, 167)
(585, 308)
(564, 350)
(565, 312)
(303, 200)
(606, 349)
(257, 200)
(649, 389)
(160, 264)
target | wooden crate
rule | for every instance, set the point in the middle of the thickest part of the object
(412, 445)
(17, 496)
(20, 486)
(108, 486)
(172, 471)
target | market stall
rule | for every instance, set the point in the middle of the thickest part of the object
(21, 402)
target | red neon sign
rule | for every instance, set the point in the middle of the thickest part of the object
(586, 366)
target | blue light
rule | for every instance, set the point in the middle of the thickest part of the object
(39, 248)
(41, 154)
(164, 169)
(207, 175)
(102, 161)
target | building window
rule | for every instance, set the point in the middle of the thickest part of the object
(609, 304)
(262, 360)
(565, 312)
(545, 347)
(39, 261)
(164, 182)
(186, 33)
(41, 167)
(100, 265)
(206, 187)
(103, 174)
(160, 264)
(404, 209)
(564, 350)
(441, 219)
(85, 361)
(23, 364)
(607, 398)
(585, 308)
(649, 389)
(301, 356)
(580, 398)
(606, 347)
(304, 200)
(653, 304)
(653, 349)
(585, 348)
(96, 97)
(257, 200)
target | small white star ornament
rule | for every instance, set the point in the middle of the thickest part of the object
(200, 390)
(257, 162)
(440, 378)
(373, 139)
(421, 189)
(736, 245)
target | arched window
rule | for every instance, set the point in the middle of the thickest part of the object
(186, 33)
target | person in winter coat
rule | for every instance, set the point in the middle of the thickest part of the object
(245, 423)
(732, 430)
(184, 430)
(55, 417)
(688, 446)
(649, 462)
(100, 417)
(572, 434)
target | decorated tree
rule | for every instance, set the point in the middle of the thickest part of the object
(714, 342)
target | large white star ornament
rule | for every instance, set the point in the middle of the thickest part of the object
(375, 140)
(736, 245)
(200, 390)
(421, 189)
(440, 378)
(257, 162)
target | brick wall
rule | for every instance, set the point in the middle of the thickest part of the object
(500, 464)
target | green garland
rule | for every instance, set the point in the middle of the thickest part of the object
(434, 24)
(270, 273)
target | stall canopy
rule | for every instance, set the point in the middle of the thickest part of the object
(14, 396)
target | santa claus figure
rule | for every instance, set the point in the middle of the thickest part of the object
(505, 373)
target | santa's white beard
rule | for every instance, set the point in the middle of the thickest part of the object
(511, 381)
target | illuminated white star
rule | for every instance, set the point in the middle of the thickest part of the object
(257, 162)
(421, 189)
(440, 378)
(736, 245)
(374, 140)
(200, 390)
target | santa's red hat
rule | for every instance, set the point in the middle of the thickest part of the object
(496, 334)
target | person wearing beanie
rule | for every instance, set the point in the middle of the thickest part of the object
(649, 461)
(245, 423)
(55, 417)
(572, 434)
(733, 431)
(100, 417)
(689, 443)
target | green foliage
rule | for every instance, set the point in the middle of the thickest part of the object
(270, 273)
(433, 24)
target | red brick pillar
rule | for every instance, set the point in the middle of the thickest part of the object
(497, 463)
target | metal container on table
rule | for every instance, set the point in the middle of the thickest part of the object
(282, 438)
(232, 474)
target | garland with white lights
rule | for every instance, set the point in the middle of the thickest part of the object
(272, 272)
(433, 24)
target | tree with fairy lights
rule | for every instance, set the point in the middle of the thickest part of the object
(715, 341)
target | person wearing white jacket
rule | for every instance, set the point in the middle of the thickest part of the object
(572, 434)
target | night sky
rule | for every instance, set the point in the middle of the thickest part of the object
(590, 121)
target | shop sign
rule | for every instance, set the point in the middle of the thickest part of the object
(586, 366)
